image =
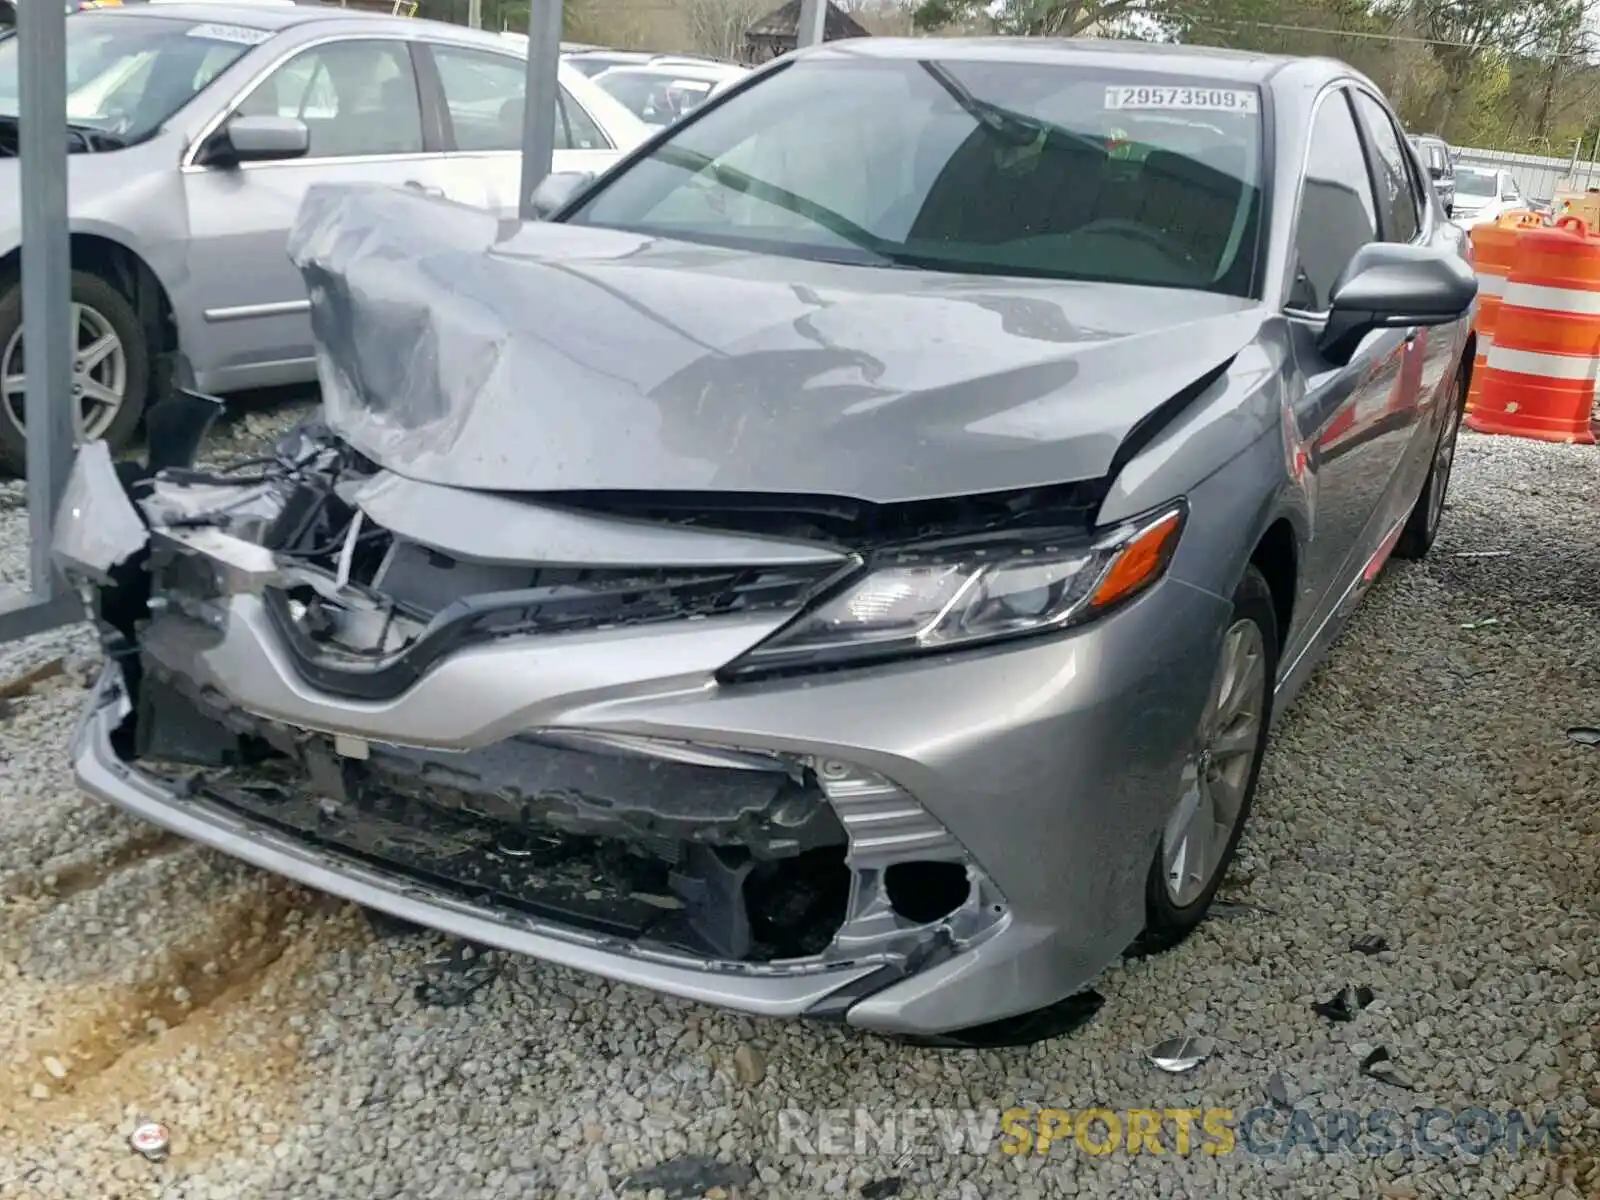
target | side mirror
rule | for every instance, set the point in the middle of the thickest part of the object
(556, 190)
(1388, 285)
(259, 139)
(1435, 171)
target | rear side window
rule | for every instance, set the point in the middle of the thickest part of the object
(576, 129)
(1397, 192)
(1337, 214)
(484, 94)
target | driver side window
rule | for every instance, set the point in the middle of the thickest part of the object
(1337, 213)
(356, 97)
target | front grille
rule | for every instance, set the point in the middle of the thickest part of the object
(448, 605)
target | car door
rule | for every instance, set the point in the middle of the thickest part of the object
(1351, 441)
(1406, 215)
(483, 96)
(359, 99)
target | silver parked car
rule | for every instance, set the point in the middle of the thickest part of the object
(850, 576)
(659, 95)
(197, 129)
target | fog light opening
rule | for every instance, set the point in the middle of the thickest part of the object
(926, 891)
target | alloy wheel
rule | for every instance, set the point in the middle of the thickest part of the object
(99, 374)
(1217, 776)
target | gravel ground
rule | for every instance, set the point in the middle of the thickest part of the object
(1422, 788)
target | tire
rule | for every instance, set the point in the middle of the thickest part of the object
(105, 310)
(1173, 912)
(1422, 526)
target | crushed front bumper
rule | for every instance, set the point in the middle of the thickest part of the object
(1042, 772)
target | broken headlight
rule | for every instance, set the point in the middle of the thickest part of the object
(957, 594)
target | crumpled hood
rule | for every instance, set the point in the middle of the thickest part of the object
(458, 349)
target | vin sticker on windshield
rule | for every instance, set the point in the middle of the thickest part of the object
(239, 34)
(1184, 99)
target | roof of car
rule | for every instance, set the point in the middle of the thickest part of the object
(1212, 62)
(277, 18)
(678, 68)
(251, 16)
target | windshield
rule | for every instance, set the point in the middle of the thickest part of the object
(991, 168)
(655, 98)
(127, 75)
(1470, 182)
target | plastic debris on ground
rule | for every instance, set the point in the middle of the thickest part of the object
(689, 1176)
(151, 1139)
(457, 977)
(1180, 1054)
(1278, 1090)
(1584, 735)
(1380, 1066)
(1370, 943)
(882, 1189)
(1344, 1004)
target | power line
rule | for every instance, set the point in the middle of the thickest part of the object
(1355, 33)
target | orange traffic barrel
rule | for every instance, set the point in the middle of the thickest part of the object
(1539, 376)
(1494, 250)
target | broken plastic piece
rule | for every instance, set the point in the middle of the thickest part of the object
(1239, 908)
(152, 1139)
(1344, 1004)
(457, 977)
(881, 1189)
(1180, 1054)
(1370, 943)
(175, 427)
(1278, 1090)
(1380, 1066)
(1584, 735)
(97, 526)
(690, 1175)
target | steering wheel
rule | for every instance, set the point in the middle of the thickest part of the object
(1154, 238)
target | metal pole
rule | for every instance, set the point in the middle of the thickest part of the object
(539, 111)
(46, 273)
(475, 14)
(813, 23)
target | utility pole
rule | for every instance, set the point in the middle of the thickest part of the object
(475, 14)
(539, 112)
(813, 23)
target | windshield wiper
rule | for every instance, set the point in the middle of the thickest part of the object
(1007, 125)
(93, 138)
(736, 180)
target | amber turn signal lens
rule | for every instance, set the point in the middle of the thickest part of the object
(1141, 561)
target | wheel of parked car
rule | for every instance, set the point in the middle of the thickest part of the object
(1422, 526)
(110, 369)
(1219, 780)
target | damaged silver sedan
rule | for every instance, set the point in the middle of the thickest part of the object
(852, 578)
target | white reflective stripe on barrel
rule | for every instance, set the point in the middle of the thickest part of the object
(1553, 299)
(1536, 362)
(1491, 285)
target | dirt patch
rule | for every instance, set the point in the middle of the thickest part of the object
(207, 1036)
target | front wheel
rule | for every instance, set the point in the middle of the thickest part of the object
(1422, 526)
(110, 368)
(1219, 779)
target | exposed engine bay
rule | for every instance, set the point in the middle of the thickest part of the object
(737, 858)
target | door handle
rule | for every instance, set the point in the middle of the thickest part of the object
(426, 189)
